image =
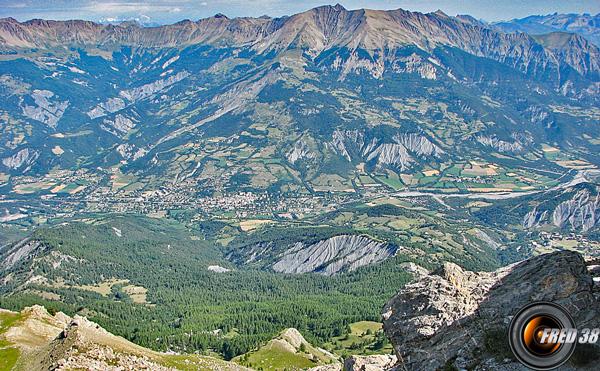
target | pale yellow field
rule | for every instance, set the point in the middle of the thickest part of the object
(57, 150)
(58, 188)
(137, 293)
(247, 225)
(103, 288)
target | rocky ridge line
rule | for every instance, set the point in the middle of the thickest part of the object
(63, 343)
(318, 30)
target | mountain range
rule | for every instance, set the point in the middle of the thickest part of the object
(316, 94)
(203, 186)
(584, 24)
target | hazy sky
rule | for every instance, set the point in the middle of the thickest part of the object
(171, 11)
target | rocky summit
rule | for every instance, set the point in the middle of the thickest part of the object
(456, 318)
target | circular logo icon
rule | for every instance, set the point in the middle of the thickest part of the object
(541, 336)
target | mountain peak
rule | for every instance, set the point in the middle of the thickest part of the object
(339, 7)
(9, 20)
(560, 39)
(128, 24)
(440, 13)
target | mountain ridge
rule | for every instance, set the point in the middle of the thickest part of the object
(584, 24)
(317, 30)
(58, 342)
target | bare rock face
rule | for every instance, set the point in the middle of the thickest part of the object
(580, 212)
(113, 105)
(330, 367)
(500, 145)
(370, 363)
(399, 154)
(62, 343)
(19, 251)
(23, 157)
(534, 218)
(300, 152)
(445, 318)
(45, 110)
(333, 255)
(121, 123)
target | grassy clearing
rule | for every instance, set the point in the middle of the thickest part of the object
(8, 319)
(158, 215)
(279, 354)
(193, 362)
(137, 293)
(8, 354)
(33, 187)
(247, 225)
(364, 326)
(402, 223)
(103, 288)
(365, 338)
(392, 180)
(276, 356)
(8, 358)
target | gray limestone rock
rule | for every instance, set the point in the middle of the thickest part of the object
(419, 145)
(380, 362)
(579, 212)
(534, 218)
(25, 156)
(45, 110)
(113, 105)
(488, 240)
(300, 152)
(333, 255)
(443, 318)
(21, 250)
(121, 123)
(392, 154)
(500, 145)
(399, 153)
(144, 91)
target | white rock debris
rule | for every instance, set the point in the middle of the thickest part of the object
(45, 110)
(25, 156)
(218, 269)
(333, 255)
(121, 123)
(133, 95)
(300, 152)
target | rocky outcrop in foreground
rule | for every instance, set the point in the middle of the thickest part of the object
(59, 342)
(379, 362)
(369, 363)
(456, 318)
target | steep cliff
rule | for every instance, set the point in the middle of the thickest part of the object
(575, 208)
(333, 255)
(456, 318)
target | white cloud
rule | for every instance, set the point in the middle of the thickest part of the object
(175, 10)
(115, 7)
